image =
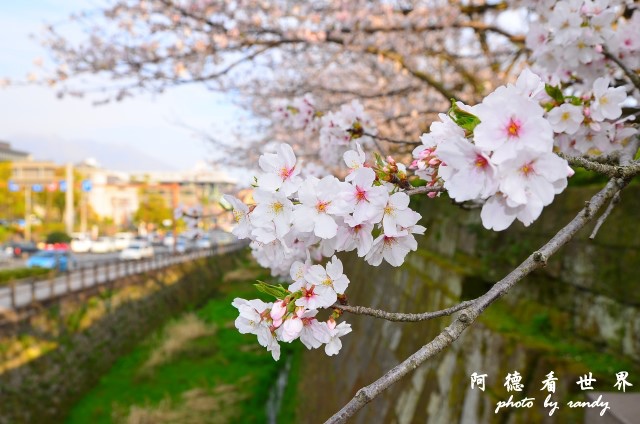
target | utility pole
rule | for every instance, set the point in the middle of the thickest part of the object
(68, 211)
(83, 213)
(175, 194)
(27, 212)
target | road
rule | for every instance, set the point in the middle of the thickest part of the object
(81, 258)
(95, 271)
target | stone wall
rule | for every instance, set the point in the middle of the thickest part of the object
(580, 314)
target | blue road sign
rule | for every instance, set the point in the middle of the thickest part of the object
(13, 187)
(37, 188)
(62, 185)
(86, 185)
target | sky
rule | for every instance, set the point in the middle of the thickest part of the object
(144, 133)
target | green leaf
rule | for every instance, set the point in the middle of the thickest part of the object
(465, 120)
(278, 291)
(378, 160)
(555, 93)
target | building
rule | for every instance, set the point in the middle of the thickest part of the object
(7, 154)
(118, 195)
(111, 194)
(29, 172)
(202, 185)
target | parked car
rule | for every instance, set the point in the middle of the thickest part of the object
(102, 245)
(168, 240)
(123, 240)
(81, 244)
(22, 249)
(56, 246)
(52, 259)
(137, 251)
(203, 243)
(182, 246)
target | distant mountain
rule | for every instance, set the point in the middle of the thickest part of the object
(114, 156)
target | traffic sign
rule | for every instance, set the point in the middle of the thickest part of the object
(52, 186)
(87, 185)
(62, 185)
(36, 188)
(13, 187)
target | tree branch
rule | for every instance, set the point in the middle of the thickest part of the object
(401, 317)
(393, 140)
(469, 315)
(424, 189)
(611, 171)
(614, 201)
(635, 79)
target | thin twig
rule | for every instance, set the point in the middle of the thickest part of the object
(424, 189)
(614, 201)
(468, 315)
(635, 79)
(393, 140)
(401, 317)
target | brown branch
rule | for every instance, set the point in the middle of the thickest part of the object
(393, 140)
(401, 317)
(424, 189)
(614, 201)
(469, 315)
(635, 79)
(423, 76)
(612, 171)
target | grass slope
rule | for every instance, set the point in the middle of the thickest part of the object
(198, 369)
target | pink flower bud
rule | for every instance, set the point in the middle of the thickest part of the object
(331, 323)
(278, 310)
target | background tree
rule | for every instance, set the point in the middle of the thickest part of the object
(403, 60)
(153, 209)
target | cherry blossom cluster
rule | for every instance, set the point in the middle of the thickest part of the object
(338, 130)
(569, 37)
(294, 313)
(499, 152)
(294, 218)
(297, 220)
(589, 124)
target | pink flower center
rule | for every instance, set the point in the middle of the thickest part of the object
(513, 128)
(527, 169)
(481, 162)
(360, 194)
(285, 173)
(308, 293)
(322, 206)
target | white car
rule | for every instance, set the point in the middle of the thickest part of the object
(102, 245)
(81, 244)
(123, 240)
(137, 251)
(203, 243)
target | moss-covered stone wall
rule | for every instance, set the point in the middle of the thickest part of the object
(580, 314)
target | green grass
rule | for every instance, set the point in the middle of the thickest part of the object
(228, 369)
(7, 275)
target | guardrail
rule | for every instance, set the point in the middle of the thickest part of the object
(28, 292)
